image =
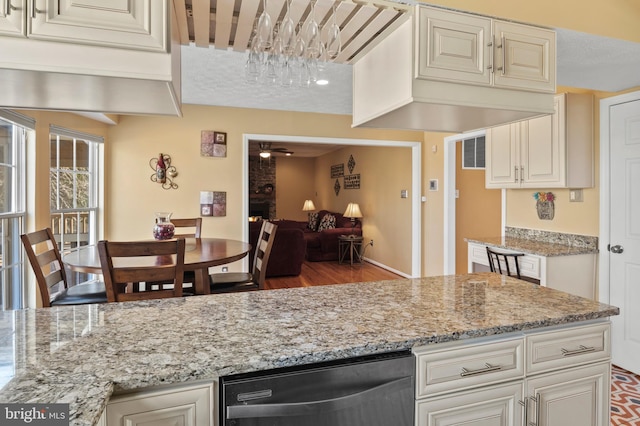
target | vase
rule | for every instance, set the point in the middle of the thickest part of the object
(163, 229)
(546, 210)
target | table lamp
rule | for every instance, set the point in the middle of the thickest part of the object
(352, 212)
(308, 206)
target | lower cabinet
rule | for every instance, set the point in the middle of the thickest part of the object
(568, 385)
(184, 405)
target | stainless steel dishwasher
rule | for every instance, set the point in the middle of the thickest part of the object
(375, 390)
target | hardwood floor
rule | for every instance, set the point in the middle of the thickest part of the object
(323, 273)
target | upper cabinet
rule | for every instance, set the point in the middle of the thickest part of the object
(449, 71)
(90, 55)
(473, 49)
(554, 151)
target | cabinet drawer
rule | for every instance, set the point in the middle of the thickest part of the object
(457, 366)
(562, 348)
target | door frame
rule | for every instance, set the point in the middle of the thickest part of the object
(605, 184)
(449, 226)
(416, 173)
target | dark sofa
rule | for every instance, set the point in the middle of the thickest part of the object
(323, 245)
(287, 252)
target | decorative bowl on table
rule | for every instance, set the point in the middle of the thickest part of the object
(163, 229)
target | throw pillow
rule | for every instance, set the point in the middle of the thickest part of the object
(327, 222)
(313, 221)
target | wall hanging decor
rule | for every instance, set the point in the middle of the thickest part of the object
(336, 187)
(352, 181)
(545, 205)
(213, 144)
(351, 164)
(163, 171)
(213, 203)
(337, 170)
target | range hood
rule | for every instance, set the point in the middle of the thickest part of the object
(390, 93)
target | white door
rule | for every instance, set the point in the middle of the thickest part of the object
(624, 256)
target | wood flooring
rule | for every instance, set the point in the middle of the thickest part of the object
(331, 272)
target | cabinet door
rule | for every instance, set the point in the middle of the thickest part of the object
(140, 24)
(542, 151)
(502, 157)
(453, 46)
(12, 21)
(525, 57)
(491, 406)
(187, 405)
(575, 397)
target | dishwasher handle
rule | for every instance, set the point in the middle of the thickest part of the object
(314, 407)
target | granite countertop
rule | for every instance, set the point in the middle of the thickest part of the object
(530, 246)
(82, 354)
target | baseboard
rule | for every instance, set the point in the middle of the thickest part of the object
(383, 266)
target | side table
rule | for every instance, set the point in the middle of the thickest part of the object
(351, 245)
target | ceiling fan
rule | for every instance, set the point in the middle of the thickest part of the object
(266, 150)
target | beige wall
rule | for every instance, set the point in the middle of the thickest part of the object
(295, 183)
(132, 199)
(384, 173)
(612, 18)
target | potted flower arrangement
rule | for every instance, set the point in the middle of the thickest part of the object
(544, 204)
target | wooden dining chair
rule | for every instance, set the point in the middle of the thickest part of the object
(507, 264)
(192, 224)
(46, 262)
(134, 262)
(244, 281)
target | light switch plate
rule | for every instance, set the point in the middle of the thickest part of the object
(404, 193)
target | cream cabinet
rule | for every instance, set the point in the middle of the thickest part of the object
(554, 151)
(454, 72)
(142, 24)
(187, 405)
(12, 18)
(575, 274)
(569, 385)
(461, 47)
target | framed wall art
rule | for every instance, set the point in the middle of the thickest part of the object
(213, 143)
(352, 181)
(213, 203)
(337, 170)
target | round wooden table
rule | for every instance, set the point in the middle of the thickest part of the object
(200, 255)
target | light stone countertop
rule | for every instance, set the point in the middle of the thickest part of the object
(80, 355)
(531, 246)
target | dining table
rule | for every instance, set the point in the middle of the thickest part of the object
(200, 254)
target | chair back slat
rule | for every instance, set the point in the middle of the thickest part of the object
(194, 223)
(498, 259)
(141, 261)
(263, 251)
(43, 254)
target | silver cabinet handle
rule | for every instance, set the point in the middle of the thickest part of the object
(490, 44)
(7, 8)
(515, 173)
(582, 350)
(536, 401)
(35, 10)
(488, 369)
(504, 57)
(525, 405)
(521, 172)
(617, 249)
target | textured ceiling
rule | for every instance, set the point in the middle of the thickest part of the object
(216, 77)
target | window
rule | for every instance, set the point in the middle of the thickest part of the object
(12, 207)
(74, 159)
(473, 153)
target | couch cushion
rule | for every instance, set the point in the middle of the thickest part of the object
(327, 222)
(313, 221)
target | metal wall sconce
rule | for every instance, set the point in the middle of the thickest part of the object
(163, 171)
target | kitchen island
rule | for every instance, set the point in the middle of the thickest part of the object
(82, 355)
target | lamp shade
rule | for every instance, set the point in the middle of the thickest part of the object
(353, 210)
(308, 206)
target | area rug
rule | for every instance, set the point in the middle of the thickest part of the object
(625, 398)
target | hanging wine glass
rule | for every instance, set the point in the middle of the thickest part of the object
(312, 34)
(265, 29)
(253, 64)
(286, 72)
(274, 56)
(333, 43)
(288, 33)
